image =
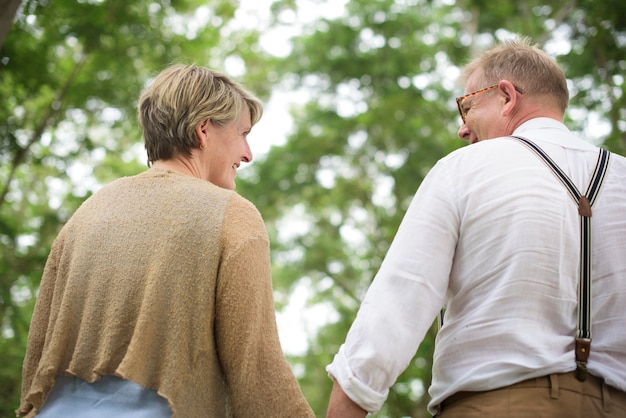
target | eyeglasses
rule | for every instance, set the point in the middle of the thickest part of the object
(459, 100)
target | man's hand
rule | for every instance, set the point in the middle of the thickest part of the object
(340, 406)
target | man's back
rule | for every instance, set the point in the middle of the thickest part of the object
(494, 236)
(513, 283)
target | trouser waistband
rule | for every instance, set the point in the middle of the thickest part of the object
(593, 386)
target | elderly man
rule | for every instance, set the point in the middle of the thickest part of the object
(499, 234)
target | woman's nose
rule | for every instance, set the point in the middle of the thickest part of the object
(247, 156)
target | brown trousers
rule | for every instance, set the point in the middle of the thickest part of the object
(553, 396)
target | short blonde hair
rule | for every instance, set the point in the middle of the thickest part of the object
(525, 65)
(182, 96)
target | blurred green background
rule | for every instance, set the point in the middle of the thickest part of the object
(360, 98)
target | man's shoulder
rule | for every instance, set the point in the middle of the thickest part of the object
(480, 150)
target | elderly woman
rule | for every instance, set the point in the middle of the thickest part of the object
(156, 299)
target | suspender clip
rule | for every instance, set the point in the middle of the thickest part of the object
(581, 371)
(583, 347)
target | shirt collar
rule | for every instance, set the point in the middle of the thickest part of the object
(540, 123)
(551, 131)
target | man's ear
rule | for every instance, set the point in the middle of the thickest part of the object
(508, 92)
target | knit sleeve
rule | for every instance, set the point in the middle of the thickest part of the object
(259, 378)
(33, 397)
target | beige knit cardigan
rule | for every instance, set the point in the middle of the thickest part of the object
(164, 279)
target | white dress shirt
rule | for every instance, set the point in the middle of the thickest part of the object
(493, 236)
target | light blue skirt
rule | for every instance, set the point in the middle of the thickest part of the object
(109, 397)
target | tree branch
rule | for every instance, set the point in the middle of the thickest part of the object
(49, 119)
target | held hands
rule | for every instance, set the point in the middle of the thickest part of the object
(341, 406)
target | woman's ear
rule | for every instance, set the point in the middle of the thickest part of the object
(202, 132)
(203, 127)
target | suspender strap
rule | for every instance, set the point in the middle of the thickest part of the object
(584, 203)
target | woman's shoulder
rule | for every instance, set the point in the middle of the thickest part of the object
(242, 213)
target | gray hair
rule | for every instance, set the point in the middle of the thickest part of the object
(526, 66)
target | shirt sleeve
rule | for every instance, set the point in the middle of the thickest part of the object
(404, 298)
(259, 378)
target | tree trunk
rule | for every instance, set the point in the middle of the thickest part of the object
(8, 9)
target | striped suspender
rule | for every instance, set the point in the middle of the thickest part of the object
(584, 203)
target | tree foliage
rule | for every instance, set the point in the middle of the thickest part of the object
(377, 84)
